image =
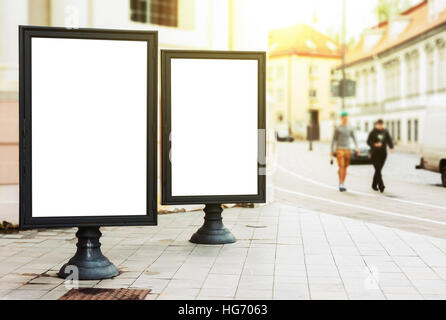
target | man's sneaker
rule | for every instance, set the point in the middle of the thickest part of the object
(381, 189)
(375, 188)
(342, 188)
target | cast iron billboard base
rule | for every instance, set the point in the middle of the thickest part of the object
(89, 263)
(213, 230)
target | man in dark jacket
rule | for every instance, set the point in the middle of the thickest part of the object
(378, 141)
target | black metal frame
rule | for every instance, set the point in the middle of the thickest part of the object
(166, 57)
(26, 33)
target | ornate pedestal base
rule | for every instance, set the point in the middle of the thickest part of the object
(89, 263)
(213, 230)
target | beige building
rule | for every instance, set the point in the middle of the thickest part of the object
(299, 73)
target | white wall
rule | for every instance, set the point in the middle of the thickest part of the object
(12, 14)
(251, 29)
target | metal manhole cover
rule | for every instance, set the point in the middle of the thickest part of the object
(105, 294)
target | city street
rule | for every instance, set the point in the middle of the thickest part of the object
(414, 200)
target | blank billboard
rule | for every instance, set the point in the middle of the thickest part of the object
(212, 115)
(88, 113)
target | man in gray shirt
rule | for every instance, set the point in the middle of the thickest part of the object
(340, 147)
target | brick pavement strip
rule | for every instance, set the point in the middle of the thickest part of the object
(300, 254)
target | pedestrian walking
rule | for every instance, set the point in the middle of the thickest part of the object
(378, 140)
(341, 148)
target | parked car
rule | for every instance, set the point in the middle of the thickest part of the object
(283, 134)
(364, 156)
(433, 148)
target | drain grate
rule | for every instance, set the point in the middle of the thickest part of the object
(105, 294)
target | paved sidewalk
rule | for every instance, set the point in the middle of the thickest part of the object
(298, 254)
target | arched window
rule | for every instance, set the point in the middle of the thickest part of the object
(429, 68)
(409, 74)
(441, 75)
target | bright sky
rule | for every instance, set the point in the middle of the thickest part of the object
(359, 14)
(257, 17)
(327, 12)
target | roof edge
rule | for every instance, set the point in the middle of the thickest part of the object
(443, 24)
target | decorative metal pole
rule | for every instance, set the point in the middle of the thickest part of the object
(343, 35)
(89, 262)
(213, 230)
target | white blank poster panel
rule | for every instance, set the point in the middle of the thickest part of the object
(214, 127)
(89, 130)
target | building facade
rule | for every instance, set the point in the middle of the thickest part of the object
(300, 63)
(399, 67)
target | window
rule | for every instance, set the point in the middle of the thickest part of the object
(280, 72)
(398, 130)
(373, 97)
(366, 87)
(392, 74)
(313, 93)
(397, 79)
(392, 126)
(409, 130)
(387, 82)
(441, 75)
(409, 76)
(312, 71)
(270, 91)
(430, 69)
(359, 86)
(435, 8)
(366, 127)
(269, 73)
(416, 74)
(413, 73)
(159, 12)
(441, 68)
(415, 130)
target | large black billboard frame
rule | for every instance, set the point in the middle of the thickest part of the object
(26, 33)
(166, 171)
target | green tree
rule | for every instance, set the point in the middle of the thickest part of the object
(386, 9)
